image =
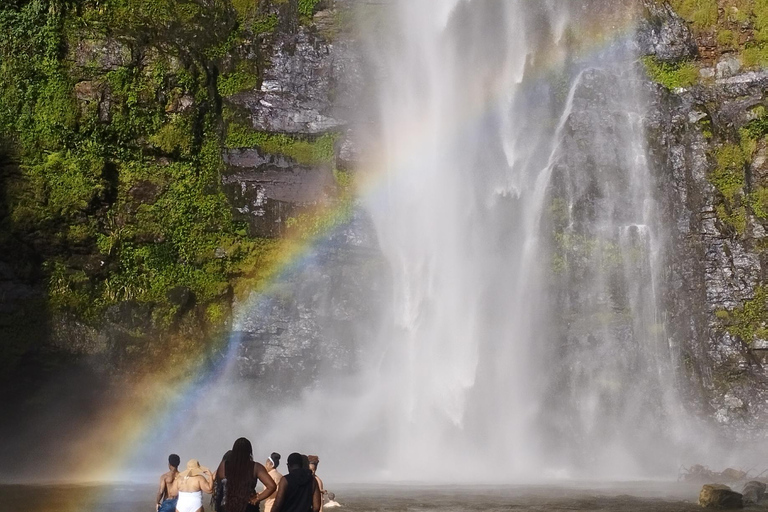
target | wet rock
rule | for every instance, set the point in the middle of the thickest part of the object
(105, 54)
(664, 34)
(180, 104)
(319, 316)
(710, 266)
(719, 496)
(296, 88)
(73, 336)
(728, 66)
(731, 474)
(311, 86)
(129, 315)
(89, 91)
(265, 190)
(348, 154)
(753, 492)
(182, 297)
(144, 192)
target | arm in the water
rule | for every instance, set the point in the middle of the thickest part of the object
(317, 500)
(270, 486)
(162, 492)
(279, 497)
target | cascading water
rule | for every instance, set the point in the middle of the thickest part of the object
(522, 338)
(519, 220)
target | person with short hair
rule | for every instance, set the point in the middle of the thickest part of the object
(271, 465)
(192, 482)
(167, 494)
(314, 460)
(331, 503)
(298, 491)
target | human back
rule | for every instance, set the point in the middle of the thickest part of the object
(298, 491)
(191, 483)
(168, 492)
(242, 474)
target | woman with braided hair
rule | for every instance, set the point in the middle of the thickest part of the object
(242, 474)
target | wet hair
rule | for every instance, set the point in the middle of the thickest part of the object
(275, 459)
(174, 460)
(239, 473)
(295, 460)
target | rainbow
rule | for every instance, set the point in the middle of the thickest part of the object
(151, 407)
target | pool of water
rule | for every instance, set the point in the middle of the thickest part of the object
(118, 497)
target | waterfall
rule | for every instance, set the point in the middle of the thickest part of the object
(522, 337)
(519, 219)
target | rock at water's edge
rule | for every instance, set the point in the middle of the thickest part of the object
(753, 492)
(719, 496)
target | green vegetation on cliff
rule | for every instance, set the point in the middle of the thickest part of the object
(305, 151)
(111, 135)
(702, 13)
(671, 75)
(724, 26)
(750, 320)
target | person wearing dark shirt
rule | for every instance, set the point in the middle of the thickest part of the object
(298, 491)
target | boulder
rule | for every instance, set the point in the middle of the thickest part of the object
(753, 492)
(730, 474)
(729, 65)
(664, 34)
(719, 496)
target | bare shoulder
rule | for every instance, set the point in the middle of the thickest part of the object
(259, 469)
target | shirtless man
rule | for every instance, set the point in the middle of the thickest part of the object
(192, 483)
(167, 494)
(314, 460)
(331, 503)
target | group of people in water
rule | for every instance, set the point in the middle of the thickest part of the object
(233, 484)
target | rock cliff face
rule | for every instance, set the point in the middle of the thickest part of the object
(706, 132)
(275, 111)
(327, 302)
(707, 144)
(237, 113)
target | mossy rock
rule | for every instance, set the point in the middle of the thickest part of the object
(720, 496)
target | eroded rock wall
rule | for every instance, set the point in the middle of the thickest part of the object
(707, 145)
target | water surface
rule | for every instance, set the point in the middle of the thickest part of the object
(662, 497)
